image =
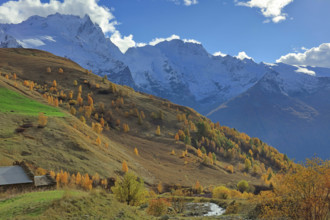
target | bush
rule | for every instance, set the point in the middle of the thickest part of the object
(130, 190)
(158, 207)
(243, 186)
(221, 192)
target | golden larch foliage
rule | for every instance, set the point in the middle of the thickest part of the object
(54, 83)
(230, 168)
(48, 70)
(98, 141)
(199, 153)
(102, 122)
(172, 152)
(42, 120)
(160, 187)
(52, 174)
(78, 179)
(60, 70)
(126, 127)
(176, 137)
(158, 130)
(14, 76)
(124, 167)
(136, 151)
(73, 111)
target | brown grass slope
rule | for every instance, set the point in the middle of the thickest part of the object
(67, 143)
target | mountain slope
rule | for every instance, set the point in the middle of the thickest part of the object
(69, 144)
(187, 74)
(76, 38)
(292, 116)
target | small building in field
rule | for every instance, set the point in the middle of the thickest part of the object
(14, 176)
(19, 176)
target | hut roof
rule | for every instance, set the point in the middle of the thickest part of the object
(13, 175)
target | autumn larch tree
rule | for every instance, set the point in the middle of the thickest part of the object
(42, 120)
(158, 130)
(124, 167)
(136, 151)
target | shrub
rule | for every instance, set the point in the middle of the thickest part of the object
(158, 207)
(130, 190)
(243, 186)
(221, 192)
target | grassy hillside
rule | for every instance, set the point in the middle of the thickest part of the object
(129, 120)
(68, 204)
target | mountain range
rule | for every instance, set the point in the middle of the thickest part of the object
(286, 106)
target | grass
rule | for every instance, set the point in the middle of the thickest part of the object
(29, 204)
(15, 103)
(68, 204)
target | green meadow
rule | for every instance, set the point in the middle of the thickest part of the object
(15, 103)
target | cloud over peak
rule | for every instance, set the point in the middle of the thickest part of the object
(316, 56)
(18, 11)
(242, 55)
(271, 9)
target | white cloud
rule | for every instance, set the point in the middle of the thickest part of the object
(123, 43)
(302, 69)
(173, 37)
(190, 2)
(185, 2)
(316, 56)
(219, 53)
(191, 41)
(28, 43)
(18, 11)
(158, 40)
(242, 55)
(269, 8)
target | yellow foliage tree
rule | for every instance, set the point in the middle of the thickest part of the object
(160, 187)
(124, 167)
(176, 137)
(136, 151)
(42, 120)
(303, 193)
(158, 130)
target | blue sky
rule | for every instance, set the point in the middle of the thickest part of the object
(222, 26)
(263, 31)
